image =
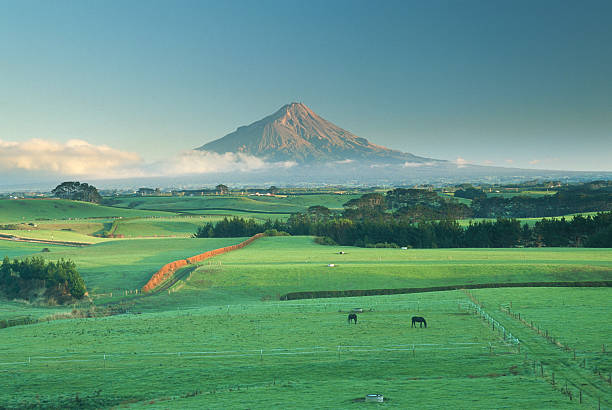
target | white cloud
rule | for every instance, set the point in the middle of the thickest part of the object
(534, 162)
(345, 161)
(201, 162)
(488, 162)
(509, 161)
(74, 157)
(81, 159)
(417, 164)
(461, 163)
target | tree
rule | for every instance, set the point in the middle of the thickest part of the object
(77, 191)
(273, 190)
(222, 189)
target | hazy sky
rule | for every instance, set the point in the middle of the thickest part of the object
(512, 83)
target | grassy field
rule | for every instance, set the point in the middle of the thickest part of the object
(52, 235)
(273, 266)
(184, 226)
(220, 338)
(244, 356)
(529, 221)
(24, 210)
(289, 204)
(14, 249)
(561, 312)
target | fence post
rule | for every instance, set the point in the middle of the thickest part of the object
(553, 378)
(580, 396)
(542, 369)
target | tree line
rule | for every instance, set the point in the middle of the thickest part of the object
(591, 197)
(581, 231)
(35, 277)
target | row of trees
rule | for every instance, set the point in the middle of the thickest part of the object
(576, 199)
(590, 231)
(26, 278)
(77, 191)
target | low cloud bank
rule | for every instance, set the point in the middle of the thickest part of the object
(74, 157)
(78, 158)
(202, 162)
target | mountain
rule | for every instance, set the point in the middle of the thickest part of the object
(296, 133)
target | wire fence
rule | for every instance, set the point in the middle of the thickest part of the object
(338, 350)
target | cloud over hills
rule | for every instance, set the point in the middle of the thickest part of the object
(78, 158)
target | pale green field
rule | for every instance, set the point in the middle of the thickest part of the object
(561, 311)
(529, 221)
(53, 235)
(29, 210)
(184, 226)
(244, 356)
(273, 266)
(289, 204)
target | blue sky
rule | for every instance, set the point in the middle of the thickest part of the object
(511, 83)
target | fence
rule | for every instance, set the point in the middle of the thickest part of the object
(338, 350)
(168, 269)
(494, 323)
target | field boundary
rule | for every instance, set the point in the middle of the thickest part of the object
(336, 350)
(7, 237)
(396, 291)
(168, 270)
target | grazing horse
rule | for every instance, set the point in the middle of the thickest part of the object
(418, 319)
(352, 316)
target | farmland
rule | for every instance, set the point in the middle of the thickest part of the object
(259, 204)
(219, 336)
(213, 351)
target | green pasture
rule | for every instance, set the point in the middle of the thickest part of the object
(245, 356)
(247, 203)
(31, 210)
(117, 265)
(184, 226)
(273, 266)
(130, 263)
(576, 317)
(529, 221)
(14, 249)
(53, 235)
(530, 193)
(19, 309)
(89, 226)
(242, 214)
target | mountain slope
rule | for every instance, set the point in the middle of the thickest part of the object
(296, 133)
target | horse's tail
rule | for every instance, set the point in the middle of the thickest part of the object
(424, 322)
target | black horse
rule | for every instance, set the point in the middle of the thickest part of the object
(418, 319)
(352, 316)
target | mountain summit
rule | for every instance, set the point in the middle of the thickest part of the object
(296, 133)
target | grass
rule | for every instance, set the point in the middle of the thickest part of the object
(53, 235)
(184, 226)
(245, 356)
(273, 266)
(561, 312)
(24, 210)
(221, 339)
(128, 264)
(14, 249)
(529, 221)
(273, 205)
